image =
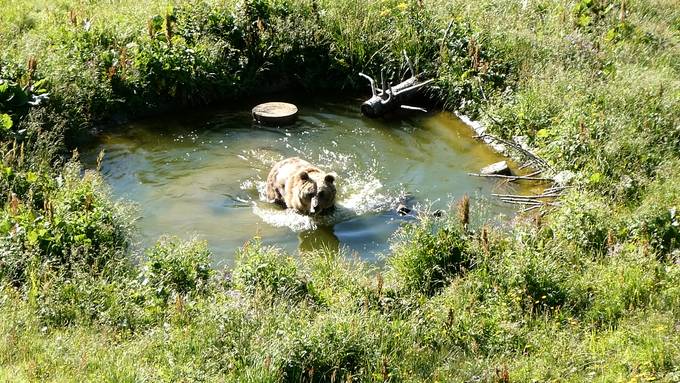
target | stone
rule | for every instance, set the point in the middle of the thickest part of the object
(501, 168)
(564, 177)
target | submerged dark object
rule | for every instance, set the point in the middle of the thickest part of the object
(403, 210)
(390, 97)
(275, 113)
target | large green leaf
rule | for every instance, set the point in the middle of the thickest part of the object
(5, 121)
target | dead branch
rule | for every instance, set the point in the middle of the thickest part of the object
(390, 97)
(538, 161)
(511, 178)
(370, 79)
(414, 108)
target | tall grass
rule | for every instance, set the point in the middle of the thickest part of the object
(520, 311)
(588, 292)
(106, 61)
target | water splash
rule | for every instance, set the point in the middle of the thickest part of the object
(355, 199)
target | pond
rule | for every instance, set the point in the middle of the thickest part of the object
(202, 173)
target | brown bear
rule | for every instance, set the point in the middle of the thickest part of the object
(297, 184)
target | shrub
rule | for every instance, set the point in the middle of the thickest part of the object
(331, 346)
(15, 102)
(427, 254)
(538, 282)
(267, 272)
(176, 268)
(583, 225)
(472, 315)
(657, 220)
(619, 284)
(85, 299)
(78, 225)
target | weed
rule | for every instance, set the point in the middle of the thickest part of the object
(426, 256)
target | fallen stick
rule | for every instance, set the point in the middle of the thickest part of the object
(536, 159)
(556, 189)
(521, 200)
(527, 164)
(532, 207)
(539, 203)
(512, 178)
(537, 172)
(529, 208)
(546, 195)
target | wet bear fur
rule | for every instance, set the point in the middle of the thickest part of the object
(299, 185)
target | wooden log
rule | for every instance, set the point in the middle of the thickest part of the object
(275, 113)
(391, 98)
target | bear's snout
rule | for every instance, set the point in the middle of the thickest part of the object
(314, 205)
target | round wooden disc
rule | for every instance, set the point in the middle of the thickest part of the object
(275, 113)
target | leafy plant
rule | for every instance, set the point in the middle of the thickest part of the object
(265, 271)
(176, 268)
(426, 256)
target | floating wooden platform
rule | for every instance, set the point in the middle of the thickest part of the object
(275, 113)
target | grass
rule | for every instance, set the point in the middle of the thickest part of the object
(588, 292)
(511, 312)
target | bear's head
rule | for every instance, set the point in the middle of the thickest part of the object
(316, 190)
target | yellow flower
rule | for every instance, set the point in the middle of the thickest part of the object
(402, 6)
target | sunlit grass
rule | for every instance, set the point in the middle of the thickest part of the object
(588, 292)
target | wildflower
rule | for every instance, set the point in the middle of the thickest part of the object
(402, 6)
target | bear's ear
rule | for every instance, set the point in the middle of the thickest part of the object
(330, 178)
(303, 175)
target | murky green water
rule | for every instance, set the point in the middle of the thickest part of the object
(203, 174)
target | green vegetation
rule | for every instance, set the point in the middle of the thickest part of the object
(587, 292)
